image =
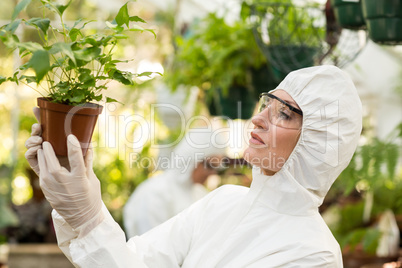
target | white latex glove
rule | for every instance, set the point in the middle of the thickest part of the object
(74, 194)
(34, 143)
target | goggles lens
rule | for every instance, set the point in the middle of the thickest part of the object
(280, 113)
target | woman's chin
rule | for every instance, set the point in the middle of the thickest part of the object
(251, 157)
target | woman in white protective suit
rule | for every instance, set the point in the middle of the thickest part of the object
(163, 196)
(304, 136)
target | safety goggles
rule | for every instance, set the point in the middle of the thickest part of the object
(280, 113)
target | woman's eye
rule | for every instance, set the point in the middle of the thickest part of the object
(284, 114)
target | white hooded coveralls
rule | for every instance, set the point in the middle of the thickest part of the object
(274, 223)
(163, 196)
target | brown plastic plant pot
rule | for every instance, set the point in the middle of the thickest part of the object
(60, 120)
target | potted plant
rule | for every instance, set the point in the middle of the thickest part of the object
(72, 65)
(290, 36)
(219, 58)
(349, 14)
(384, 20)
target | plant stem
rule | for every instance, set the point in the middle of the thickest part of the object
(26, 84)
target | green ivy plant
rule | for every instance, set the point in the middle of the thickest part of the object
(71, 63)
(287, 23)
(215, 55)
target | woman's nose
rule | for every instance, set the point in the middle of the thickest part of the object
(260, 120)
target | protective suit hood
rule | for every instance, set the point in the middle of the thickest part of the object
(332, 122)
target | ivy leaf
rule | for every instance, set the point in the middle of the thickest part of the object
(123, 17)
(123, 77)
(12, 27)
(110, 100)
(145, 74)
(78, 97)
(29, 79)
(65, 49)
(24, 66)
(136, 19)
(42, 24)
(30, 46)
(114, 26)
(20, 7)
(77, 22)
(57, 7)
(40, 62)
(62, 8)
(11, 41)
(136, 28)
(87, 54)
(74, 32)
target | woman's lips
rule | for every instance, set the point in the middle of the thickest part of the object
(255, 139)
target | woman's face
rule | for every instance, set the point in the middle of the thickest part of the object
(271, 144)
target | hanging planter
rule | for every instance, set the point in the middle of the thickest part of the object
(291, 57)
(289, 35)
(263, 80)
(384, 20)
(349, 14)
(237, 104)
(60, 120)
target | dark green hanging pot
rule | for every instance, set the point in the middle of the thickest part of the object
(384, 20)
(290, 58)
(349, 14)
(263, 80)
(239, 103)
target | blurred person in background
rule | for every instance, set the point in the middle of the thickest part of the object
(164, 195)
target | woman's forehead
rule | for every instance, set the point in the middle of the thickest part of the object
(282, 94)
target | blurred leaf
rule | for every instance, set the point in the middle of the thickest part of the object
(125, 78)
(64, 48)
(78, 97)
(12, 27)
(114, 26)
(136, 28)
(110, 100)
(29, 79)
(391, 157)
(123, 17)
(370, 240)
(42, 24)
(57, 7)
(20, 7)
(87, 54)
(74, 34)
(145, 74)
(30, 46)
(40, 62)
(136, 19)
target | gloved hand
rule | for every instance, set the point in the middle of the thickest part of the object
(34, 143)
(74, 194)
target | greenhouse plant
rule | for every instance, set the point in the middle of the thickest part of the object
(219, 58)
(72, 64)
(290, 36)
